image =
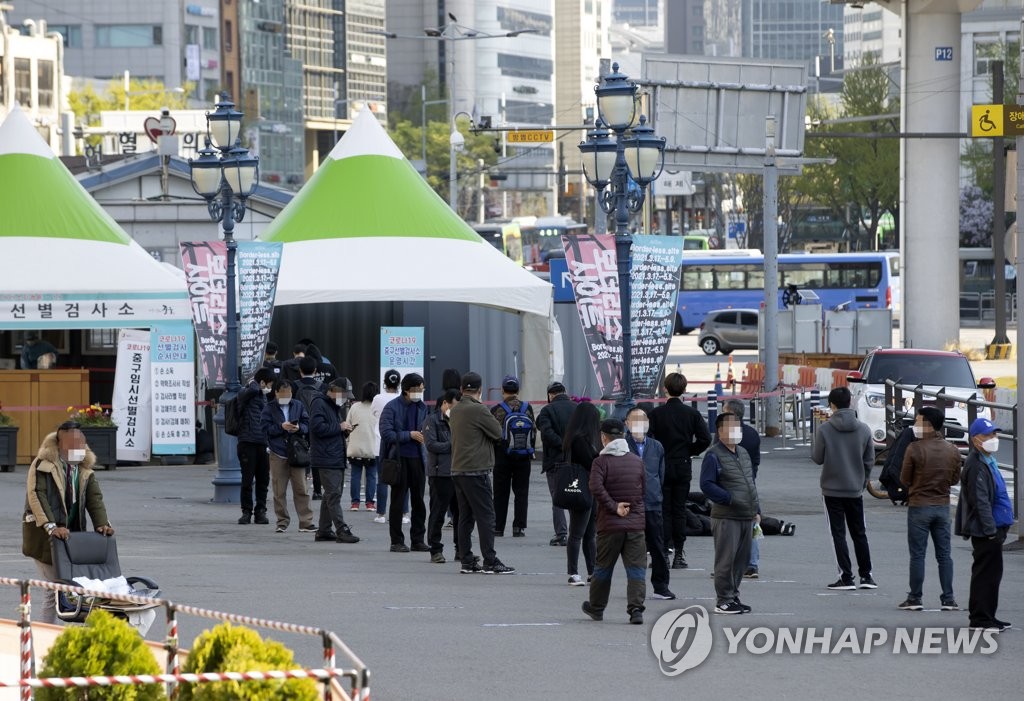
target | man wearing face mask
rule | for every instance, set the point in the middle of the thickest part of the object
(401, 437)
(931, 466)
(327, 430)
(653, 455)
(283, 418)
(727, 479)
(252, 447)
(984, 513)
(61, 489)
(437, 433)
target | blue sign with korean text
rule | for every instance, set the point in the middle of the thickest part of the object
(401, 348)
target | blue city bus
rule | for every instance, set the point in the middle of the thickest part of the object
(736, 280)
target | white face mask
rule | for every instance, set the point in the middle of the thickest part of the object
(340, 400)
(265, 390)
(918, 431)
(448, 413)
(415, 396)
(736, 434)
(991, 445)
(639, 428)
(76, 455)
(283, 401)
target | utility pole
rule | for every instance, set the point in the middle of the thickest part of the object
(771, 280)
(999, 212)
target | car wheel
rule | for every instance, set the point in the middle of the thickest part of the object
(725, 351)
(709, 345)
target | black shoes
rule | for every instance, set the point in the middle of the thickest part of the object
(317, 496)
(911, 605)
(498, 567)
(420, 548)
(472, 567)
(636, 617)
(399, 548)
(261, 518)
(751, 573)
(245, 518)
(323, 537)
(518, 532)
(558, 540)
(679, 562)
(593, 612)
(788, 529)
(345, 536)
(843, 585)
(868, 583)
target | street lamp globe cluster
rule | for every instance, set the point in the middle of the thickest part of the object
(225, 174)
(635, 154)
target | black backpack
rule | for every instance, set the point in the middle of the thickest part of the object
(233, 411)
(890, 477)
(306, 393)
(517, 431)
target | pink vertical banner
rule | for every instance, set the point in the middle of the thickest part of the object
(205, 264)
(594, 276)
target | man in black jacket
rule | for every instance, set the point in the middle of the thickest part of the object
(328, 429)
(684, 433)
(551, 422)
(252, 447)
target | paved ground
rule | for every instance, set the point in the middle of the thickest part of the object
(428, 632)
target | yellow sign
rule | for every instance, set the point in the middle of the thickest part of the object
(532, 136)
(987, 120)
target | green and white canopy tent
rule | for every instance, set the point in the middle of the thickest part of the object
(367, 227)
(67, 264)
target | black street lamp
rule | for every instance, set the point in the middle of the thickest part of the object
(225, 174)
(635, 154)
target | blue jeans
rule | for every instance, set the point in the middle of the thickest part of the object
(755, 553)
(359, 465)
(923, 521)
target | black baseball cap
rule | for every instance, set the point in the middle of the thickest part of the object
(556, 388)
(613, 427)
(345, 385)
(472, 381)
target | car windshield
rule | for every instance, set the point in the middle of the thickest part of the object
(937, 370)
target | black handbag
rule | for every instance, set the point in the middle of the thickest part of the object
(390, 469)
(572, 487)
(298, 451)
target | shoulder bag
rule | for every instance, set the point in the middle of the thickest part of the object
(572, 487)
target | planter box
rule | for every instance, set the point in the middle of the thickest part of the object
(102, 441)
(8, 448)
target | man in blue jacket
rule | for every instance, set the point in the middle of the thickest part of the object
(327, 454)
(984, 513)
(285, 419)
(401, 438)
(653, 455)
(252, 447)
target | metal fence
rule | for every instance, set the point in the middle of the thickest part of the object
(981, 306)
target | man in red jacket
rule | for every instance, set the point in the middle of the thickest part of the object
(617, 483)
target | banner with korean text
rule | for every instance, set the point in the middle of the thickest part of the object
(172, 360)
(205, 265)
(595, 284)
(131, 403)
(258, 265)
(654, 271)
(401, 348)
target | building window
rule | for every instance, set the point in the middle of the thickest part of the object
(191, 34)
(128, 36)
(210, 89)
(227, 36)
(100, 342)
(209, 38)
(72, 34)
(23, 81)
(45, 84)
(525, 67)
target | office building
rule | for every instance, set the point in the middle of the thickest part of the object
(870, 30)
(32, 75)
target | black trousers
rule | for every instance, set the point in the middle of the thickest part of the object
(412, 479)
(843, 513)
(986, 574)
(476, 507)
(674, 493)
(442, 500)
(255, 464)
(653, 531)
(511, 474)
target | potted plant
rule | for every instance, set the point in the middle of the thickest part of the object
(100, 432)
(8, 442)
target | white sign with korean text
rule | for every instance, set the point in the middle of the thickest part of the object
(174, 392)
(89, 311)
(132, 395)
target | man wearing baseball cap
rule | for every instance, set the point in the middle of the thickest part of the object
(984, 513)
(511, 459)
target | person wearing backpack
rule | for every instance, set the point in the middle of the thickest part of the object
(512, 455)
(252, 447)
(307, 389)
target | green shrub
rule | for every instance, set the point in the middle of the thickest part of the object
(105, 645)
(227, 648)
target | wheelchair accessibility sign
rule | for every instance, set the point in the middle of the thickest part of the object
(997, 120)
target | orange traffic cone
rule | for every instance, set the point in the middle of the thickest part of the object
(730, 378)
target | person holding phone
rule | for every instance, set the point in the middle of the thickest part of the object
(283, 418)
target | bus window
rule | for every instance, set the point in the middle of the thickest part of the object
(755, 279)
(803, 275)
(730, 280)
(698, 279)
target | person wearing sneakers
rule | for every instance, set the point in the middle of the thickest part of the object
(327, 454)
(843, 447)
(752, 444)
(438, 435)
(512, 459)
(401, 437)
(617, 481)
(653, 455)
(392, 378)
(727, 479)
(931, 466)
(283, 418)
(362, 448)
(474, 432)
(582, 442)
(984, 513)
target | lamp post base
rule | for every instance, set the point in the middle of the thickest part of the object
(227, 484)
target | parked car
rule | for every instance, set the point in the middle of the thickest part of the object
(726, 330)
(946, 371)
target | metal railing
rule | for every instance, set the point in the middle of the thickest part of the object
(903, 402)
(358, 675)
(981, 306)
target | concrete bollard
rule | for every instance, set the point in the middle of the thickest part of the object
(712, 408)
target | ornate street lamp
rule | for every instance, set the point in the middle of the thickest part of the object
(635, 154)
(225, 174)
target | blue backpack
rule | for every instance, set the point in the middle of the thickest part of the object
(518, 429)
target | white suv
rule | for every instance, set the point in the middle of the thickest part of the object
(934, 370)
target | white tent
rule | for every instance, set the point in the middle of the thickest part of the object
(367, 227)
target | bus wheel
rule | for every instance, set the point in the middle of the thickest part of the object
(679, 328)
